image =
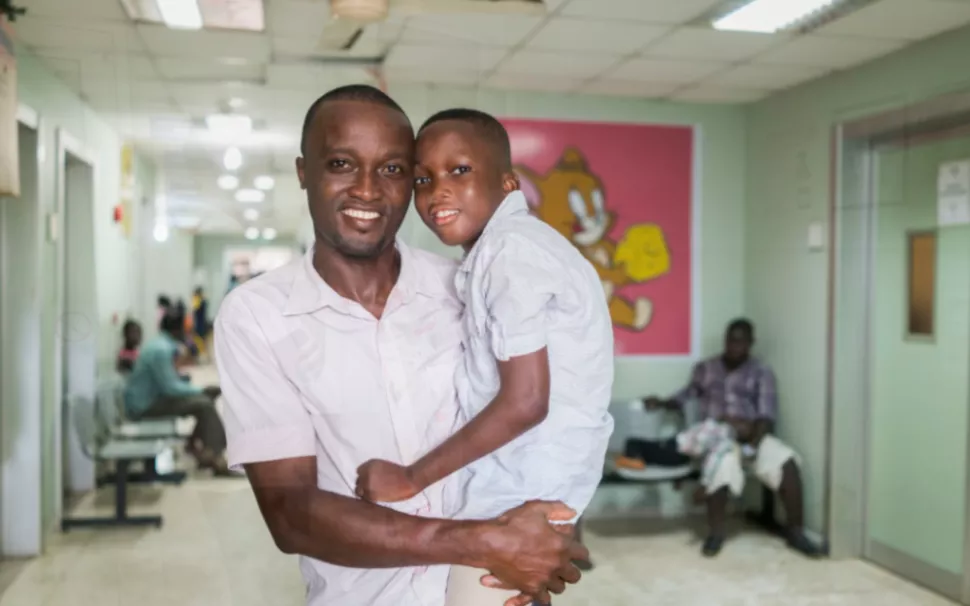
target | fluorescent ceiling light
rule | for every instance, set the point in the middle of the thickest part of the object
(229, 125)
(250, 214)
(233, 159)
(236, 102)
(250, 195)
(769, 16)
(228, 182)
(264, 182)
(269, 233)
(252, 233)
(180, 14)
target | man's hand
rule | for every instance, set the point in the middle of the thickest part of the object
(653, 403)
(385, 482)
(526, 552)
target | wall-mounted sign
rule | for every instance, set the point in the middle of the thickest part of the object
(9, 145)
(953, 194)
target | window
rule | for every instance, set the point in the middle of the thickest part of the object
(922, 283)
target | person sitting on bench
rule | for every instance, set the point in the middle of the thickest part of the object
(738, 406)
(155, 390)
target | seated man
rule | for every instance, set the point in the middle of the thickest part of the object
(154, 389)
(738, 407)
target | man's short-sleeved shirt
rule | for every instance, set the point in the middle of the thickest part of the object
(525, 287)
(306, 372)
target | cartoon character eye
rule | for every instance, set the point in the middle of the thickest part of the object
(578, 204)
(599, 203)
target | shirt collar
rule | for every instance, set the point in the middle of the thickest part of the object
(310, 293)
(514, 204)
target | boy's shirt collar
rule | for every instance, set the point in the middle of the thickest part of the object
(514, 204)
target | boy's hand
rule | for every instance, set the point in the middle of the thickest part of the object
(385, 482)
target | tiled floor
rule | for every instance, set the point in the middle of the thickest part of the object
(215, 551)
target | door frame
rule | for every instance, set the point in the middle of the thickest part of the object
(66, 144)
(863, 136)
(21, 502)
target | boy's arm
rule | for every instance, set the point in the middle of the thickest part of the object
(521, 404)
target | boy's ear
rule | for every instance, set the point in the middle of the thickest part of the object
(510, 182)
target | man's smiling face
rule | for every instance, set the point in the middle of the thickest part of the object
(358, 173)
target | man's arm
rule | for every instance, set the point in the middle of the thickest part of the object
(767, 406)
(167, 377)
(693, 390)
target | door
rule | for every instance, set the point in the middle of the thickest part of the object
(920, 370)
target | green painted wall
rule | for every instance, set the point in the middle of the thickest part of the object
(785, 286)
(721, 183)
(919, 386)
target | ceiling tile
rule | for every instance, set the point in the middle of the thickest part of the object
(181, 69)
(208, 45)
(715, 94)
(651, 11)
(765, 77)
(90, 10)
(509, 81)
(292, 17)
(281, 78)
(702, 43)
(828, 51)
(477, 59)
(596, 36)
(552, 64)
(902, 19)
(368, 45)
(432, 76)
(77, 35)
(629, 88)
(665, 70)
(66, 70)
(489, 30)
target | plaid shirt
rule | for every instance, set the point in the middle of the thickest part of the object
(747, 392)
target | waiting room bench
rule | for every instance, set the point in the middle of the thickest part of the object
(101, 446)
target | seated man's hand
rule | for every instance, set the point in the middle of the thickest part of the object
(385, 482)
(653, 403)
(532, 555)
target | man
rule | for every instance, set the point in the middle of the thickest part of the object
(738, 409)
(155, 389)
(349, 355)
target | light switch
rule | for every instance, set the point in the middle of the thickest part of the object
(816, 236)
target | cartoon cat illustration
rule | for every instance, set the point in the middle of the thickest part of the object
(571, 199)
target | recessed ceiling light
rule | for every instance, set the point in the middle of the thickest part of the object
(180, 14)
(250, 214)
(269, 233)
(264, 182)
(252, 233)
(228, 182)
(229, 125)
(233, 159)
(161, 231)
(236, 102)
(249, 196)
(769, 16)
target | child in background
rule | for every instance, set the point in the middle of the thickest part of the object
(131, 334)
(538, 369)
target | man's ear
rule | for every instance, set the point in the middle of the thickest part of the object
(510, 182)
(300, 164)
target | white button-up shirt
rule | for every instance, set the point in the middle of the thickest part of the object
(306, 372)
(526, 287)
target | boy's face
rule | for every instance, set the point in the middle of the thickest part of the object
(458, 181)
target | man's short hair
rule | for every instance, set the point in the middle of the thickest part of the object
(172, 322)
(742, 324)
(492, 130)
(351, 92)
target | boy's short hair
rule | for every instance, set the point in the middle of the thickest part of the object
(493, 131)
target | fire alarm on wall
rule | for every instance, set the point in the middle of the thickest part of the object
(118, 213)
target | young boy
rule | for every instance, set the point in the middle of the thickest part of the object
(538, 369)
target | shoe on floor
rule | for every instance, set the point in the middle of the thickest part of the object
(712, 546)
(802, 544)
